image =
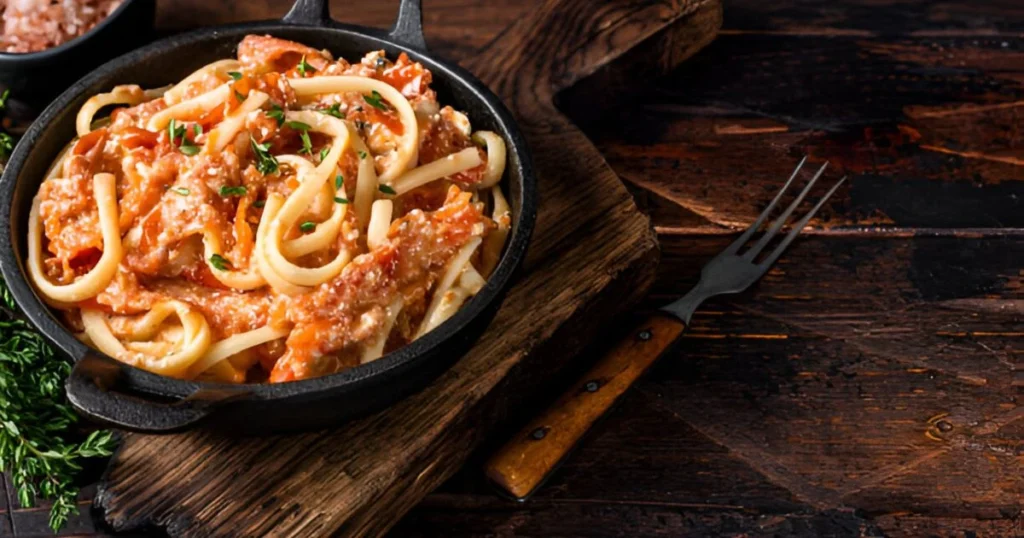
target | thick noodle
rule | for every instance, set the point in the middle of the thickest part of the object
(437, 312)
(120, 95)
(93, 282)
(325, 233)
(495, 158)
(300, 199)
(195, 337)
(441, 168)
(408, 145)
(219, 68)
(375, 348)
(380, 221)
(367, 182)
(276, 281)
(192, 107)
(494, 243)
(226, 130)
(234, 345)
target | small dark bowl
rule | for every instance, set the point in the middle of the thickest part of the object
(35, 78)
(114, 393)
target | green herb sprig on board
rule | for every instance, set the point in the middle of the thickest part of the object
(6, 140)
(37, 445)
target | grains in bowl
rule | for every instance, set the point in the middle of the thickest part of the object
(35, 25)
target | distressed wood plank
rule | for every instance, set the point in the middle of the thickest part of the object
(926, 128)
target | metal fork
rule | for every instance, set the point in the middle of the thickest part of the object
(732, 272)
(528, 458)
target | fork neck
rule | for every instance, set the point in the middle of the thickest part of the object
(684, 307)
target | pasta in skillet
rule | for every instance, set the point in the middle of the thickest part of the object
(275, 217)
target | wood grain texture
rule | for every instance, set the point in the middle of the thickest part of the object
(810, 405)
(870, 384)
(592, 252)
(522, 464)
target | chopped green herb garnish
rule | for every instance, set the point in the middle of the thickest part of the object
(340, 200)
(307, 227)
(3, 98)
(362, 154)
(175, 131)
(375, 100)
(235, 75)
(180, 190)
(6, 145)
(307, 144)
(339, 180)
(323, 153)
(219, 262)
(265, 162)
(197, 129)
(298, 125)
(334, 110)
(226, 191)
(277, 113)
(239, 96)
(304, 67)
(386, 189)
(259, 203)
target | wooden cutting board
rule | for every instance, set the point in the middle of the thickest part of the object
(593, 254)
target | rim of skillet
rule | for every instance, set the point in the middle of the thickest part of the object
(41, 315)
(51, 53)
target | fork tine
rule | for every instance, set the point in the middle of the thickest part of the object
(781, 221)
(798, 227)
(731, 249)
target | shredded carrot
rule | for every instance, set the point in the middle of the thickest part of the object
(243, 232)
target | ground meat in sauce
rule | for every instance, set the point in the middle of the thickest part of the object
(349, 308)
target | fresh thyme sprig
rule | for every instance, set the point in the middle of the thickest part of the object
(6, 140)
(36, 443)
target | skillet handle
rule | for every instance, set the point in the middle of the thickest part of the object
(92, 389)
(408, 28)
(309, 12)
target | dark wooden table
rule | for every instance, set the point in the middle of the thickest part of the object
(869, 385)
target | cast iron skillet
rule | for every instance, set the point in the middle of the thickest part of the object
(113, 393)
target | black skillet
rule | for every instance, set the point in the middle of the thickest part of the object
(116, 394)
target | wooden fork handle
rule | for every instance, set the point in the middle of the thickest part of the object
(527, 459)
